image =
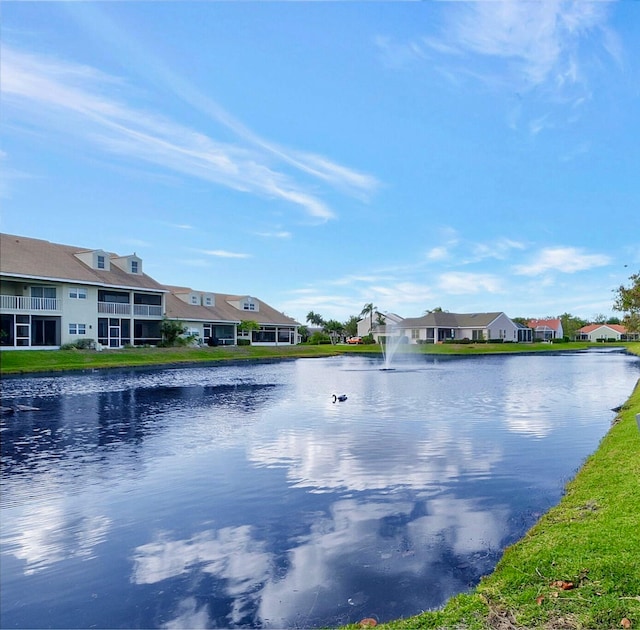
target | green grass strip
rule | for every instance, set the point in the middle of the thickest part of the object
(31, 361)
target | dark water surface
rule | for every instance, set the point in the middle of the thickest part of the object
(242, 496)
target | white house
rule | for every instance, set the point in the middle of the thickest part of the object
(379, 325)
(440, 326)
(52, 294)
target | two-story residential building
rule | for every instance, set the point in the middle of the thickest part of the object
(52, 294)
(440, 326)
(380, 325)
(215, 317)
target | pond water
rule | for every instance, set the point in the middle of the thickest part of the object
(242, 496)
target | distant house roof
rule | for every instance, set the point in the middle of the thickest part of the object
(442, 319)
(45, 261)
(223, 309)
(551, 323)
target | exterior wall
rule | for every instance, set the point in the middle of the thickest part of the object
(79, 311)
(73, 318)
(604, 332)
(503, 328)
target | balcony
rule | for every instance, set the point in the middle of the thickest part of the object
(22, 304)
(139, 310)
(146, 310)
(114, 308)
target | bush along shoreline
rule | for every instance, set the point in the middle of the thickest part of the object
(578, 567)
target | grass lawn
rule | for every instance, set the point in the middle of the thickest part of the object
(30, 361)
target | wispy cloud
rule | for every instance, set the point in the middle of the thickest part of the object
(76, 100)
(222, 253)
(278, 234)
(561, 260)
(538, 41)
(460, 283)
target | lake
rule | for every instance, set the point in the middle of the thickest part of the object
(242, 496)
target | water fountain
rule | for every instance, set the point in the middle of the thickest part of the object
(389, 348)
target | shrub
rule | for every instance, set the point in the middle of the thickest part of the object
(244, 342)
(368, 339)
(80, 344)
(319, 338)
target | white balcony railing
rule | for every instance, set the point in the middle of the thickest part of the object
(26, 304)
(114, 308)
(146, 310)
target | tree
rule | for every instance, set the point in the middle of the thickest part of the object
(334, 329)
(303, 331)
(171, 329)
(248, 326)
(571, 324)
(315, 319)
(437, 309)
(628, 302)
(369, 309)
(351, 326)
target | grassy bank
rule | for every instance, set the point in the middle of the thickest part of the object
(30, 361)
(578, 567)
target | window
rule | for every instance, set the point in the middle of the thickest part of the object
(208, 301)
(134, 266)
(194, 299)
(78, 293)
(100, 261)
(248, 306)
(415, 333)
(77, 329)
(43, 292)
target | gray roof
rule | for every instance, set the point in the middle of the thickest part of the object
(441, 319)
(34, 258)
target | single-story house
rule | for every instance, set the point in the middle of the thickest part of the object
(440, 326)
(602, 332)
(546, 329)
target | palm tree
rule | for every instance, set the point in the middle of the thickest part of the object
(369, 310)
(315, 319)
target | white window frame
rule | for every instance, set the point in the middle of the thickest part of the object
(135, 266)
(77, 329)
(101, 261)
(78, 293)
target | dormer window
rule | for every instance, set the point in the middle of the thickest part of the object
(135, 266)
(100, 261)
(194, 299)
(248, 306)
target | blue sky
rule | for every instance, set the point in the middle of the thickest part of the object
(480, 156)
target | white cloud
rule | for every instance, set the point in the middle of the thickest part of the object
(563, 260)
(222, 253)
(74, 100)
(537, 40)
(460, 283)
